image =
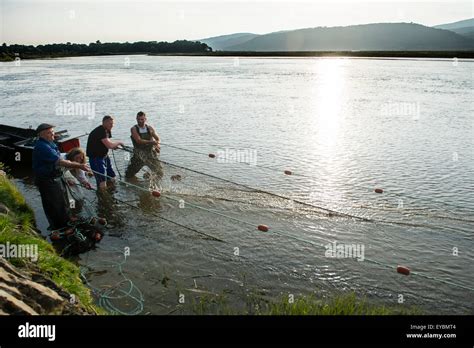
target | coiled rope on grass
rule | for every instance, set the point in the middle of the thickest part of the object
(108, 297)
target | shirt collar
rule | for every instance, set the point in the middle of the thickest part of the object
(50, 143)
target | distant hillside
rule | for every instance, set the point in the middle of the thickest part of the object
(464, 28)
(368, 37)
(224, 41)
(457, 25)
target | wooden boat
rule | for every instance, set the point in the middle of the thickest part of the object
(17, 144)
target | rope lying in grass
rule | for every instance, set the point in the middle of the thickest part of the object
(107, 297)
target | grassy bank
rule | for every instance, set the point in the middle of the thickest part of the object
(337, 304)
(347, 304)
(18, 227)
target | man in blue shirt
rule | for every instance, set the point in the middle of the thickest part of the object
(46, 163)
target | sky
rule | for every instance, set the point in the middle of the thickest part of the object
(83, 21)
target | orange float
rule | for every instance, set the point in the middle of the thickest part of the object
(263, 228)
(403, 270)
(211, 155)
(55, 235)
(288, 172)
(156, 193)
(378, 190)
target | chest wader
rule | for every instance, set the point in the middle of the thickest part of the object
(144, 155)
(53, 198)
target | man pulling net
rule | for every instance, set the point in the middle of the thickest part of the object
(146, 149)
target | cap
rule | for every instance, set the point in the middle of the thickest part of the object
(44, 126)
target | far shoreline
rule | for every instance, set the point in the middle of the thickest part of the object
(294, 54)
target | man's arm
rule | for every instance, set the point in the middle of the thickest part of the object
(156, 137)
(111, 144)
(51, 156)
(75, 165)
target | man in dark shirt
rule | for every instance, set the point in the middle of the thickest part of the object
(98, 145)
(46, 163)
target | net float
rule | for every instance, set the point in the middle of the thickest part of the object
(102, 221)
(155, 193)
(403, 270)
(288, 172)
(263, 228)
(69, 231)
(97, 236)
(378, 190)
(211, 155)
(55, 235)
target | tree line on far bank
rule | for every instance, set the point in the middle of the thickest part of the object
(10, 52)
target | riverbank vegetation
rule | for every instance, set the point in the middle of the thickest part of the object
(12, 52)
(338, 304)
(17, 227)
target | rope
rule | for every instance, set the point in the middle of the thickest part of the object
(313, 179)
(106, 297)
(115, 163)
(335, 212)
(285, 234)
(173, 222)
(158, 216)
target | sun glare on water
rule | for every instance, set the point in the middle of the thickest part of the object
(328, 95)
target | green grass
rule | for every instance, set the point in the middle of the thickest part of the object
(18, 228)
(343, 304)
(347, 304)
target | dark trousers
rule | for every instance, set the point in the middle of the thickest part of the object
(54, 201)
(142, 158)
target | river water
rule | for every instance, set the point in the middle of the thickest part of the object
(342, 126)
